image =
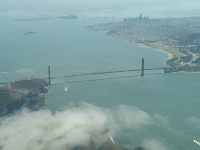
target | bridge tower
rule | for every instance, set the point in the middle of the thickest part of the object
(142, 73)
(49, 73)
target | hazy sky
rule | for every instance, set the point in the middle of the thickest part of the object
(150, 7)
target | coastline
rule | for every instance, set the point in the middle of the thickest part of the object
(170, 55)
(146, 45)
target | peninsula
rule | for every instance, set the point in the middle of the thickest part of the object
(178, 37)
(24, 93)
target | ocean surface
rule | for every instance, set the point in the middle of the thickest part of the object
(69, 48)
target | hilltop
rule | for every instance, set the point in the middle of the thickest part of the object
(24, 93)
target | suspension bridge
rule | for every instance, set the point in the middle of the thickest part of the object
(52, 74)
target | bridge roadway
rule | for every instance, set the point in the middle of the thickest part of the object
(105, 72)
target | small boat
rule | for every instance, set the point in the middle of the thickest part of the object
(66, 88)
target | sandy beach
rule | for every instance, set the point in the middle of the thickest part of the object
(170, 55)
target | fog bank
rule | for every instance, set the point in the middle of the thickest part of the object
(74, 126)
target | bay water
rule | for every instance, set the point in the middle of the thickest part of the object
(69, 48)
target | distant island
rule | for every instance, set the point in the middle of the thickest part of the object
(68, 17)
(30, 32)
(178, 37)
(24, 93)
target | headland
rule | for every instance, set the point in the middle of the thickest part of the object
(24, 93)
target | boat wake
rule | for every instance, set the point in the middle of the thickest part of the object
(111, 138)
(66, 88)
(198, 143)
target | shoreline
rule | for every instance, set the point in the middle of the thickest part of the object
(170, 55)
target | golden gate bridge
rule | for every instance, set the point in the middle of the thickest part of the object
(142, 69)
(113, 74)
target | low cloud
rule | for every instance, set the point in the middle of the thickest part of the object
(159, 119)
(154, 145)
(193, 121)
(24, 71)
(75, 126)
(131, 117)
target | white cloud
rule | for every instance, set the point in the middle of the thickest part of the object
(154, 145)
(75, 126)
(193, 121)
(24, 71)
(160, 119)
(132, 117)
(41, 130)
